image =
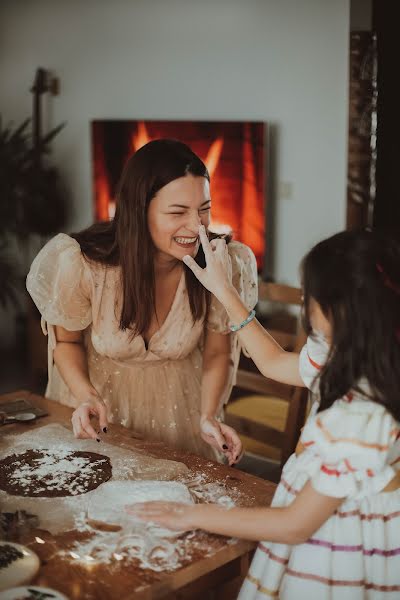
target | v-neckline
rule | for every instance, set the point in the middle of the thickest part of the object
(174, 301)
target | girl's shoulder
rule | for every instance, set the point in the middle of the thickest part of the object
(351, 446)
(352, 425)
(312, 358)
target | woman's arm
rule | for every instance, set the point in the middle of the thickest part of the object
(272, 360)
(70, 358)
(293, 524)
(71, 361)
(217, 367)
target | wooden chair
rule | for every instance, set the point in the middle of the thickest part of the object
(276, 414)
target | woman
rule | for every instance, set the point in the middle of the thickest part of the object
(133, 336)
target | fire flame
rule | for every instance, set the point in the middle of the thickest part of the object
(213, 155)
(141, 138)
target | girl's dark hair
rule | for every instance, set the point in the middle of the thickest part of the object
(355, 278)
(126, 240)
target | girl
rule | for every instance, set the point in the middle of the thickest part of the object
(133, 335)
(333, 531)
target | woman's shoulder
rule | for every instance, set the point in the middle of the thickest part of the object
(64, 249)
(60, 283)
(60, 237)
(244, 279)
(244, 272)
(60, 252)
(243, 261)
(240, 250)
(60, 243)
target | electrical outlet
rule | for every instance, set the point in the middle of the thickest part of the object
(285, 190)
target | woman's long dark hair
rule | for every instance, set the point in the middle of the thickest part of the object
(355, 278)
(126, 240)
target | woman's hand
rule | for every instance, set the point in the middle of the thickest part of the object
(217, 276)
(222, 437)
(172, 515)
(93, 407)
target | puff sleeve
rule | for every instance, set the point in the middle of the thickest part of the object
(59, 284)
(350, 444)
(244, 277)
(313, 356)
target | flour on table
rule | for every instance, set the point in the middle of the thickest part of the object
(107, 504)
(46, 473)
(61, 513)
(135, 540)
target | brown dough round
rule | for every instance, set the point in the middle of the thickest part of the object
(25, 474)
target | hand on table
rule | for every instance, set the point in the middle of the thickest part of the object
(82, 427)
(172, 515)
(222, 437)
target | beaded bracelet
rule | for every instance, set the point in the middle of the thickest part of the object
(244, 323)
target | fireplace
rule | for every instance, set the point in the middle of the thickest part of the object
(235, 155)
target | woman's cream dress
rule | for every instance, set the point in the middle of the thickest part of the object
(156, 390)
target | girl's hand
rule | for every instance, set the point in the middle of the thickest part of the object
(222, 437)
(217, 276)
(93, 407)
(172, 515)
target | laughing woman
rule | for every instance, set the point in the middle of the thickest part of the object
(133, 337)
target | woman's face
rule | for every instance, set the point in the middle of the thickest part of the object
(319, 323)
(175, 214)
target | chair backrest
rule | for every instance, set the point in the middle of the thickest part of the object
(284, 296)
(287, 329)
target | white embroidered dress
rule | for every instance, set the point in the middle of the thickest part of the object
(352, 450)
(154, 391)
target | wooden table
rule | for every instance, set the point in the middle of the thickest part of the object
(215, 576)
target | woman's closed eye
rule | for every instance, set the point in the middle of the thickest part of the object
(201, 211)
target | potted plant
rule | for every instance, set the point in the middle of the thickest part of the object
(32, 207)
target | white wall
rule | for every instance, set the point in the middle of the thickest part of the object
(280, 61)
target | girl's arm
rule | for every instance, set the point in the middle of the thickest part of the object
(293, 524)
(217, 367)
(272, 360)
(70, 358)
